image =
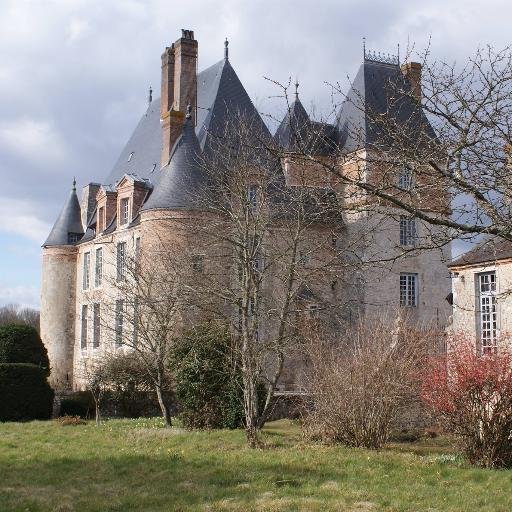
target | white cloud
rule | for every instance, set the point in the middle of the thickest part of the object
(32, 139)
(77, 28)
(25, 296)
(20, 217)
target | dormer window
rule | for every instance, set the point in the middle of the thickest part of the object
(125, 210)
(130, 156)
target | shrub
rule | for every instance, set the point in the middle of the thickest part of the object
(208, 381)
(25, 393)
(360, 384)
(22, 344)
(472, 395)
(79, 404)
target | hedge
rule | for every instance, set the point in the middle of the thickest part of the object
(22, 344)
(24, 393)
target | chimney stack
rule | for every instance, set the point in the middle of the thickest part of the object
(179, 89)
(412, 72)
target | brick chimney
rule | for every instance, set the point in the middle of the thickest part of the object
(412, 71)
(179, 88)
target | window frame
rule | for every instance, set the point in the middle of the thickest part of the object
(121, 261)
(124, 210)
(408, 231)
(84, 327)
(119, 323)
(98, 267)
(86, 271)
(406, 278)
(487, 312)
(96, 325)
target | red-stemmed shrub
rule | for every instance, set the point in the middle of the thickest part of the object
(472, 395)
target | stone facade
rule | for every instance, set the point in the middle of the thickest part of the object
(354, 264)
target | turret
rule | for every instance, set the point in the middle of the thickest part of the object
(58, 292)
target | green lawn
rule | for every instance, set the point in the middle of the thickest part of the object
(134, 465)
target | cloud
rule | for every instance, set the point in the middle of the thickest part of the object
(32, 139)
(20, 217)
(25, 296)
(77, 28)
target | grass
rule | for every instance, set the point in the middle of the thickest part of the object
(135, 465)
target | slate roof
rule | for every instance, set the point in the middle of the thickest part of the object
(298, 132)
(68, 222)
(295, 128)
(182, 182)
(487, 252)
(374, 91)
(219, 93)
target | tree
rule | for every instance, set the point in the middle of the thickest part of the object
(472, 395)
(446, 130)
(268, 255)
(146, 297)
(14, 314)
(360, 383)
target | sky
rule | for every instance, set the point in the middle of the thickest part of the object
(75, 74)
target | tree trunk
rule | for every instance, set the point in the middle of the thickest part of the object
(98, 412)
(251, 412)
(166, 415)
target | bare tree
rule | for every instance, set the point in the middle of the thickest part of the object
(146, 299)
(361, 383)
(437, 148)
(94, 374)
(269, 258)
(15, 314)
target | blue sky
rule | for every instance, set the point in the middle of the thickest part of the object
(74, 76)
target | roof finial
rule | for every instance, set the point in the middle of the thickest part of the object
(364, 47)
(74, 184)
(296, 88)
(398, 54)
(150, 99)
(189, 111)
(226, 49)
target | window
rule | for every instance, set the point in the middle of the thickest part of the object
(98, 269)
(83, 331)
(74, 237)
(409, 290)
(198, 262)
(119, 322)
(487, 314)
(125, 210)
(86, 272)
(252, 197)
(408, 233)
(96, 326)
(121, 261)
(304, 258)
(313, 310)
(101, 219)
(405, 180)
(135, 321)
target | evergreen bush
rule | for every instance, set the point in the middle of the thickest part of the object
(22, 344)
(25, 393)
(208, 379)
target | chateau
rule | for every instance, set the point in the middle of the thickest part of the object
(152, 189)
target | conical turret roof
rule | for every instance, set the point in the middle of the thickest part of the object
(295, 128)
(68, 226)
(182, 182)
